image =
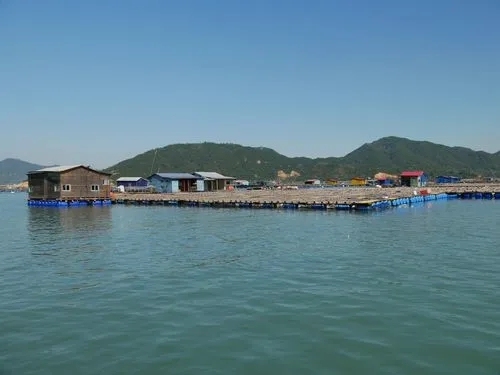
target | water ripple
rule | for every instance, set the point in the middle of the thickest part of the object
(155, 290)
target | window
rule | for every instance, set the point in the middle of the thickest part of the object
(66, 187)
(94, 188)
(56, 188)
(105, 181)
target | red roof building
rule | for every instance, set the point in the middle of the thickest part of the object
(412, 173)
(413, 178)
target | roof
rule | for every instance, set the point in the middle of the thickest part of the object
(384, 176)
(66, 168)
(213, 176)
(412, 173)
(60, 168)
(177, 176)
(129, 179)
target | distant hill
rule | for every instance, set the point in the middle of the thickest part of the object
(395, 154)
(14, 170)
(389, 154)
(230, 159)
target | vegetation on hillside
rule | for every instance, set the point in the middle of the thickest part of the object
(389, 154)
(395, 154)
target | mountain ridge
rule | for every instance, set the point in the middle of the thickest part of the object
(13, 170)
(389, 154)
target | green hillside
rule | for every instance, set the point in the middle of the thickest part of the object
(230, 159)
(13, 171)
(389, 154)
(395, 154)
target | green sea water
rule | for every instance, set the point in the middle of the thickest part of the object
(164, 290)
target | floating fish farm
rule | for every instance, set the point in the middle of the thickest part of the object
(369, 205)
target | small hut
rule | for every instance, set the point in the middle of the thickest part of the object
(385, 179)
(413, 178)
(358, 181)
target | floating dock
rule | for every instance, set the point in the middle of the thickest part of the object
(69, 203)
(366, 205)
(341, 206)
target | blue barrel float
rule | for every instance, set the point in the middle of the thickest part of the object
(318, 206)
(342, 206)
(70, 203)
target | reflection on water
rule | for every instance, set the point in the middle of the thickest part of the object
(68, 233)
(86, 219)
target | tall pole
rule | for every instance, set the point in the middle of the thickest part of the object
(153, 164)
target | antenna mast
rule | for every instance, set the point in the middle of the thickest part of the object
(154, 159)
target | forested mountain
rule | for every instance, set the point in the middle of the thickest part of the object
(389, 154)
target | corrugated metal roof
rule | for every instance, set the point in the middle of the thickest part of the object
(177, 176)
(64, 168)
(214, 176)
(128, 179)
(60, 168)
(412, 173)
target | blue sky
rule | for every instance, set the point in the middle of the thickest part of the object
(99, 81)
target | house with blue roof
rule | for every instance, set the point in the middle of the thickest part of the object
(176, 182)
(132, 182)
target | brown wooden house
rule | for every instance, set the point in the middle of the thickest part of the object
(68, 182)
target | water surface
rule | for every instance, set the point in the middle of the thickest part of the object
(157, 290)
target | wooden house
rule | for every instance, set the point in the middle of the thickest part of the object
(176, 182)
(68, 183)
(213, 181)
(413, 178)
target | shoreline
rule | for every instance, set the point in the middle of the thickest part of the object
(308, 195)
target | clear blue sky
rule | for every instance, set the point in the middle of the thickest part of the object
(98, 81)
